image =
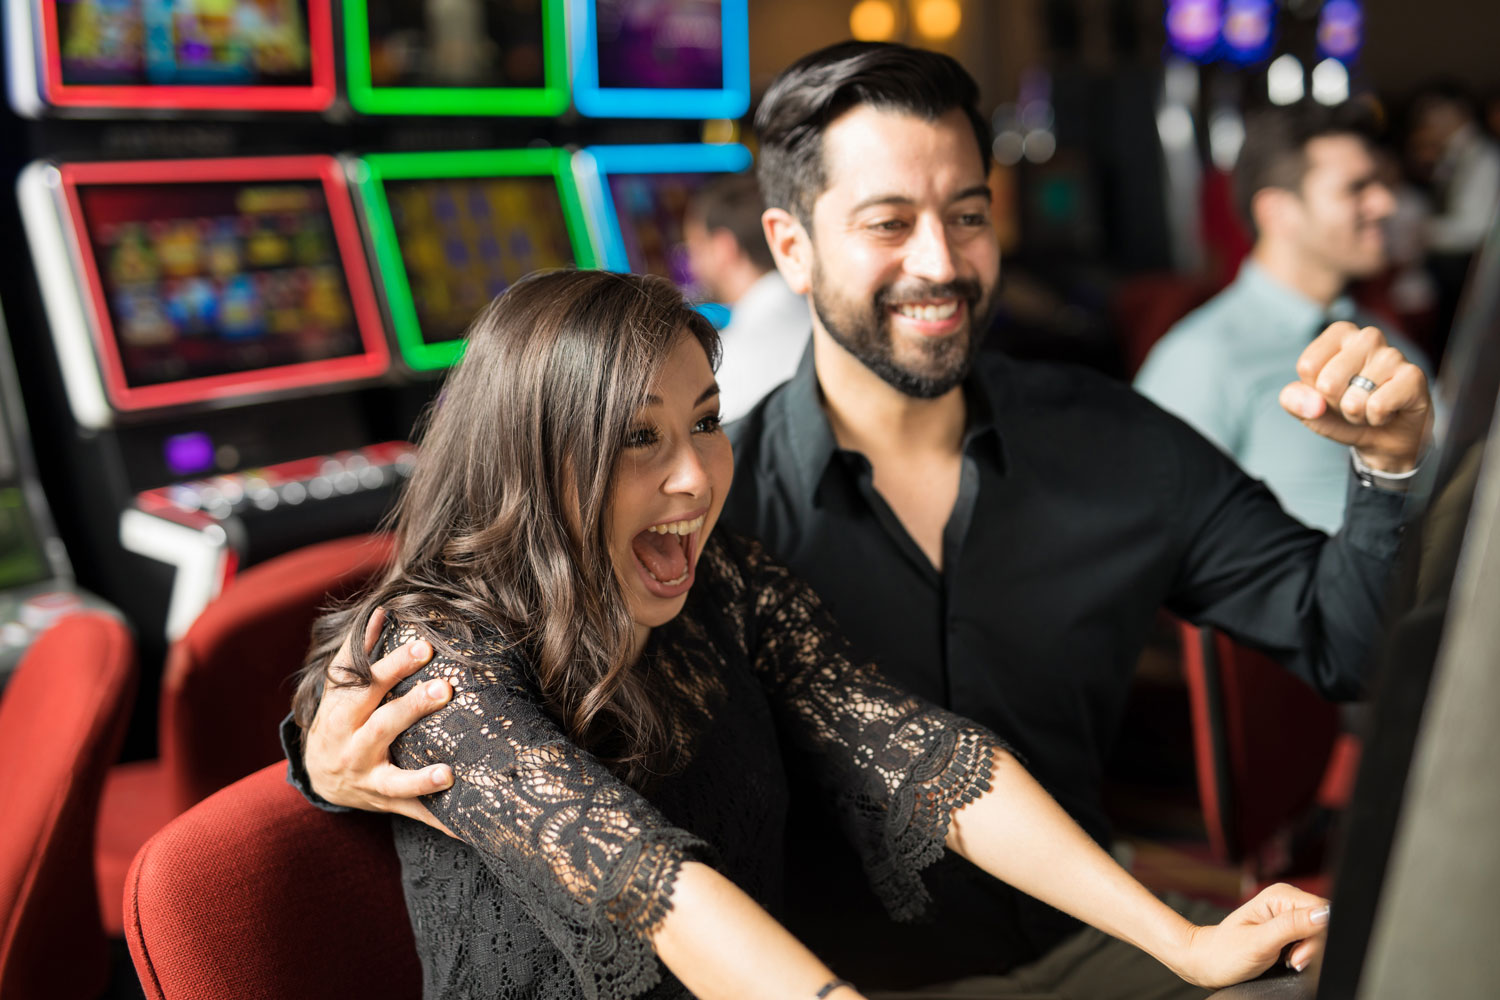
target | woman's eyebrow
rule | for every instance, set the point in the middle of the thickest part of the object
(706, 394)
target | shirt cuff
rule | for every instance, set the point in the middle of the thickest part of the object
(1391, 482)
(296, 770)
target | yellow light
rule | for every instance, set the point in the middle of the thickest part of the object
(873, 20)
(937, 19)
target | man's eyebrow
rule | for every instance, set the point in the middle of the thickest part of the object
(974, 191)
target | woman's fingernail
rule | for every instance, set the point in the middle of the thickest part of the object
(1300, 965)
(420, 650)
(437, 689)
(1319, 916)
(441, 778)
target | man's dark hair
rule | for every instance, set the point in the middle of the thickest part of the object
(820, 87)
(733, 202)
(1274, 154)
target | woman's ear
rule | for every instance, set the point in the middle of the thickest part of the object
(791, 246)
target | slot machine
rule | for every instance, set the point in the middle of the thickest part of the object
(36, 579)
(211, 319)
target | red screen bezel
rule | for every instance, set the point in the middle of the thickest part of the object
(317, 96)
(373, 362)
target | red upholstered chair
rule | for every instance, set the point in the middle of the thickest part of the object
(255, 895)
(1265, 743)
(226, 685)
(1145, 307)
(62, 717)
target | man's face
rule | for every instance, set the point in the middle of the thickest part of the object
(1341, 206)
(905, 260)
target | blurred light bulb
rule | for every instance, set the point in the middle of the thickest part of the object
(1174, 123)
(937, 19)
(873, 20)
(1330, 82)
(1284, 83)
(1226, 136)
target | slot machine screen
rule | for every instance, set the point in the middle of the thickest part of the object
(651, 209)
(22, 558)
(250, 54)
(501, 57)
(210, 288)
(454, 230)
(665, 44)
(663, 58)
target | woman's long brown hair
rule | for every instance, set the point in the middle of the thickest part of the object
(502, 524)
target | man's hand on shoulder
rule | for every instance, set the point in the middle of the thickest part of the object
(347, 749)
(1355, 388)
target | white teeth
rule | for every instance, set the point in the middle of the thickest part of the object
(669, 583)
(928, 314)
(679, 527)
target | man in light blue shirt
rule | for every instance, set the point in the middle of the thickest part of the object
(1307, 182)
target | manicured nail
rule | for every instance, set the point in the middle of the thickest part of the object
(442, 777)
(1300, 965)
(1319, 916)
(420, 650)
(437, 689)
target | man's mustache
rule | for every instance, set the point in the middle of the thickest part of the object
(966, 289)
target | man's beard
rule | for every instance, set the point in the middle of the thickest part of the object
(867, 335)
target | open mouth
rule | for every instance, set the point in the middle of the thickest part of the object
(664, 552)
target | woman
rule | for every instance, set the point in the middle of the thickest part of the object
(629, 687)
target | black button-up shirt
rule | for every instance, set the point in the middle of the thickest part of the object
(1082, 509)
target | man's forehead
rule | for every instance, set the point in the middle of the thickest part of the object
(1344, 153)
(890, 152)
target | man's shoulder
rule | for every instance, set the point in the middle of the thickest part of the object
(1042, 387)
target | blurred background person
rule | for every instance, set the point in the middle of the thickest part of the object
(1462, 163)
(769, 326)
(1307, 182)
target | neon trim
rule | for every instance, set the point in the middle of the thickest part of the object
(381, 167)
(730, 101)
(373, 362)
(365, 97)
(315, 97)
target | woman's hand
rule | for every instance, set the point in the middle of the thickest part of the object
(1251, 939)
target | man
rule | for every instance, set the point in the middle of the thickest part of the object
(768, 324)
(1309, 186)
(998, 536)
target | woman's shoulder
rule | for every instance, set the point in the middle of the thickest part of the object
(456, 634)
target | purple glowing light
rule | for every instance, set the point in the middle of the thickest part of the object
(1341, 29)
(1193, 26)
(188, 454)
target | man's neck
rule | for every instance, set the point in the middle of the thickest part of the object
(870, 416)
(1290, 268)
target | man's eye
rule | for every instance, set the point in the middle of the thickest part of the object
(641, 437)
(708, 424)
(889, 226)
(973, 219)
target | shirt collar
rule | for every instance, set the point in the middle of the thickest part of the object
(810, 439)
(1287, 312)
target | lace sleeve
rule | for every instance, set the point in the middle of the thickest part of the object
(895, 766)
(589, 858)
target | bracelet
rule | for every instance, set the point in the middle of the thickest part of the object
(830, 986)
(1390, 482)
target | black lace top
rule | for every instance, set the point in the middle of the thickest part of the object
(563, 871)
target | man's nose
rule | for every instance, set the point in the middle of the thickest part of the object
(929, 256)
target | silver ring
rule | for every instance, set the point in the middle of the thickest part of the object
(1360, 382)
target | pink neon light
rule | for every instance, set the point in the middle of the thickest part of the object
(316, 97)
(376, 359)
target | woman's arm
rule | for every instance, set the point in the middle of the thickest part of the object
(721, 944)
(1017, 833)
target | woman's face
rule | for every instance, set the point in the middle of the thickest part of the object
(673, 475)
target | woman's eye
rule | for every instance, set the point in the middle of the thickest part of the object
(708, 424)
(640, 437)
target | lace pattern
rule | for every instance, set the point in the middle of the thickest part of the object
(562, 872)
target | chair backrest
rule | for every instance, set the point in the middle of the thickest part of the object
(62, 717)
(1262, 739)
(255, 894)
(228, 680)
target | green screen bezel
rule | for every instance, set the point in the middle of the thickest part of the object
(381, 167)
(366, 98)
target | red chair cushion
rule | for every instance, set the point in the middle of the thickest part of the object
(62, 718)
(135, 804)
(255, 895)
